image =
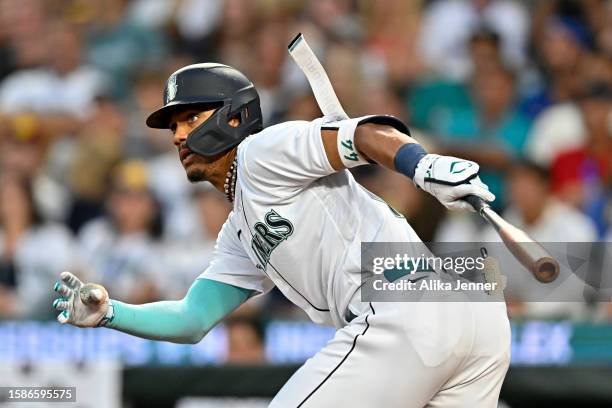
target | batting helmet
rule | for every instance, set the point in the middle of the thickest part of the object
(213, 86)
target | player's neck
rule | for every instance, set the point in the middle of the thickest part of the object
(217, 179)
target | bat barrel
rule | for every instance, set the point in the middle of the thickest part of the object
(528, 252)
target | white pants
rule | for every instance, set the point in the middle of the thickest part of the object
(408, 355)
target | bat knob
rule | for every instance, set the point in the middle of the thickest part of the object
(93, 294)
(546, 269)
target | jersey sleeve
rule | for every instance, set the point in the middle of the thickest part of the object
(289, 155)
(231, 265)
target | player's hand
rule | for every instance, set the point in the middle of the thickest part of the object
(82, 305)
(449, 179)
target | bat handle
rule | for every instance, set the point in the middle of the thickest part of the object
(476, 202)
(484, 209)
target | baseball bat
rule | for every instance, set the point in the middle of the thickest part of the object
(527, 251)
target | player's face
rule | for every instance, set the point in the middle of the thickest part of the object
(198, 168)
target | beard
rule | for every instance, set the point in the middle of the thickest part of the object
(195, 175)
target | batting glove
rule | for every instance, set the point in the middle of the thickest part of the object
(449, 179)
(82, 305)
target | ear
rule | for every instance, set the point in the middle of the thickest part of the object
(234, 122)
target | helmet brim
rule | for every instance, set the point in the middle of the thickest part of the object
(161, 118)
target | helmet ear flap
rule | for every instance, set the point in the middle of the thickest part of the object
(241, 99)
(250, 116)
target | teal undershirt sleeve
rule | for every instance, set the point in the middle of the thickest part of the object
(181, 321)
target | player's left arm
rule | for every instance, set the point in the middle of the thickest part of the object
(178, 321)
(386, 141)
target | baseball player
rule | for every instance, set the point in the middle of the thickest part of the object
(297, 223)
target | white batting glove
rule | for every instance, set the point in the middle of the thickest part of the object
(82, 305)
(449, 179)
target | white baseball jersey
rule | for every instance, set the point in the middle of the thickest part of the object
(298, 224)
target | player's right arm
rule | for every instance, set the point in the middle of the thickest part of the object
(282, 159)
(181, 321)
(386, 141)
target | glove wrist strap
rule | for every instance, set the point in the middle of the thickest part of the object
(109, 316)
(423, 169)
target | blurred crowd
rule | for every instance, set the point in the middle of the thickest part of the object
(523, 88)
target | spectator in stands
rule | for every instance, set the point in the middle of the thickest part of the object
(232, 40)
(120, 249)
(534, 209)
(119, 47)
(24, 142)
(97, 148)
(582, 177)
(303, 106)
(64, 85)
(447, 25)
(563, 46)
(245, 337)
(391, 35)
(380, 97)
(604, 32)
(490, 131)
(344, 63)
(431, 100)
(333, 17)
(484, 49)
(22, 28)
(196, 20)
(538, 212)
(190, 255)
(31, 251)
(269, 56)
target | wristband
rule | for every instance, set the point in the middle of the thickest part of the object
(407, 158)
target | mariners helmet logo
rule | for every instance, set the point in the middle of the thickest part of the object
(171, 88)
